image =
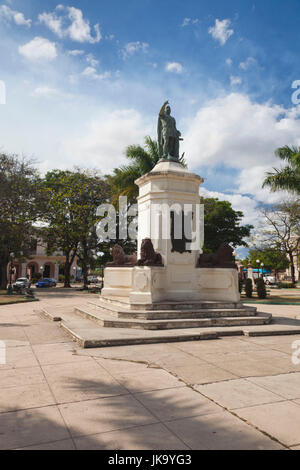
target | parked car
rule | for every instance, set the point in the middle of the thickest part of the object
(92, 279)
(22, 283)
(270, 280)
(47, 282)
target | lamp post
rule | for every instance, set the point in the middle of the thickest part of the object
(42, 270)
(262, 269)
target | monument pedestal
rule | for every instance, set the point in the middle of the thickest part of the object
(166, 196)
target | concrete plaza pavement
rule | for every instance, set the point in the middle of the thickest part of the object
(231, 393)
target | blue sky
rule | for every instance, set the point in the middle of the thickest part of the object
(85, 79)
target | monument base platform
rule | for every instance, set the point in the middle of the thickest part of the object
(90, 327)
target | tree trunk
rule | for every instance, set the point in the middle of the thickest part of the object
(85, 276)
(293, 271)
(3, 273)
(85, 265)
(67, 284)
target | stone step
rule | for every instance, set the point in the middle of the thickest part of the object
(89, 334)
(168, 305)
(108, 321)
(173, 314)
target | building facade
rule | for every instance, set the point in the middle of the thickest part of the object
(40, 262)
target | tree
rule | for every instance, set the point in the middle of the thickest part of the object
(73, 199)
(281, 230)
(21, 204)
(273, 258)
(287, 178)
(222, 224)
(141, 161)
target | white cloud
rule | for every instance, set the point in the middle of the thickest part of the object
(189, 21)
(250, 181)
(105, 140)
(132, 48)
(11, 15)
(174, 67)
(45, 91)
(91, 72)
(235, 80)
(76, 52)
(78, 29)
(229, 62)
(248, 63)
(91, 60)
(221, 31)
(53, 22)
(242, 135)
(39, 49)
(245, 204)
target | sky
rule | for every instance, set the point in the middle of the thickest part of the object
(85, 79)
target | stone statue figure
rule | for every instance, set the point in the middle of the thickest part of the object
(168, 135)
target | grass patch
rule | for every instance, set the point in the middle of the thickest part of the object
(274, 300)
(10, 300)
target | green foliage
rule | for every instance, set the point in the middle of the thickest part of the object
(272, 258)
(222, 224)
(261, 289)
(73, 199)
(21, 204)
(286, 285)
(36, 277)
(249, 288)
(287, 178)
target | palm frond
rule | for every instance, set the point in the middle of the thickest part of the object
(283, 179)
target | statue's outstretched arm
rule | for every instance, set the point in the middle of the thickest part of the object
(162, 111)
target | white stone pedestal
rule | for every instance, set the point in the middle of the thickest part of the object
(168, 188)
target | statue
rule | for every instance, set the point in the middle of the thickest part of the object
(148, 256)
(223, 258)
(120, 259)
(168, 135)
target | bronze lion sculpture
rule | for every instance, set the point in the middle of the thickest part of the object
(148, 255)
(120, 259)
(223, 258)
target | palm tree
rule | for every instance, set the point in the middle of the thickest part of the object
(142, 161)
(287, 178)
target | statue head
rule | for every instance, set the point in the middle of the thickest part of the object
(147, 250)
(168, 110)
(118, 255)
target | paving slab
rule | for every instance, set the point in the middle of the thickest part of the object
(280, 420)
(46, 333)
(18, 357)
(151, 437)
(204, 373)
(176, 403)
(284, 385)
(238, 393)
(13, 333)
(59, 353)
(25, 397)
(86, 380)
(222, 345)
(220, 431)
(31, 427)
(19, 377)
(148, 379)
(67, 444)
(262, 363)
(107, 414)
